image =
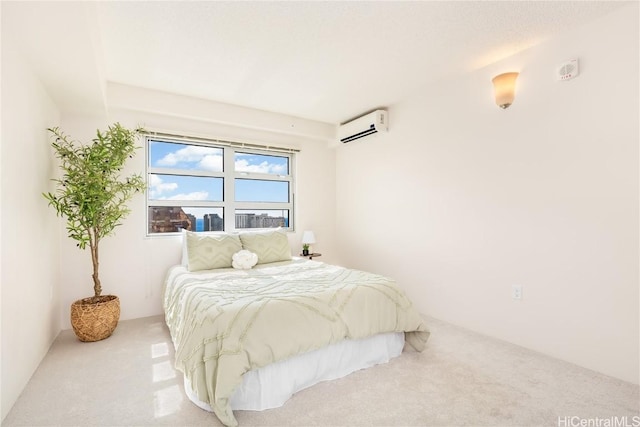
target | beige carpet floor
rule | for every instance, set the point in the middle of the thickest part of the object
(461, 379)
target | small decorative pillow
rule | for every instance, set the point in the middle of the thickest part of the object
(244, 260)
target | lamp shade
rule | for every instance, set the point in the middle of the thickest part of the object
(308, 237)
(504, 86)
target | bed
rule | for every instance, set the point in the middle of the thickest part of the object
(250, 336)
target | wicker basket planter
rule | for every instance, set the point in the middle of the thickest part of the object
(95, 318)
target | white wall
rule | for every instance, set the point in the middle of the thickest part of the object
(30, 232)
(462, 200)
(133, 266)
(544, 194)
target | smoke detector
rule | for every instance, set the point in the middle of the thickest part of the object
(568, 70)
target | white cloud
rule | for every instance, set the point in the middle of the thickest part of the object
(157, 186)
(196, 195)
(265, 167)
(211, 162)
(189, 154)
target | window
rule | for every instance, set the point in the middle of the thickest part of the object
(203, 185)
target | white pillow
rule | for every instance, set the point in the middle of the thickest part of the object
(209, 251)
(244, 260)
(185, 253)
(270, 246)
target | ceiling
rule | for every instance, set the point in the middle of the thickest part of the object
(324, 61)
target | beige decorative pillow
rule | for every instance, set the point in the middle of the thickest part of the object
(208, 251)
(270, 246)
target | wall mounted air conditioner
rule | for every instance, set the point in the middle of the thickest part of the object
(369, 124)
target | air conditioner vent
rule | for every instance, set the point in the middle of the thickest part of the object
(363, 126)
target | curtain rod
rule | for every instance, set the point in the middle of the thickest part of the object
(235, 144)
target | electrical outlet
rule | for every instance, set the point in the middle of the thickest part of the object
(516, 292)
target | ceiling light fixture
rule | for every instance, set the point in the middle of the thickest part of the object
(504, 86)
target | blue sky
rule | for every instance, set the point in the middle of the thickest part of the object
(208, 159)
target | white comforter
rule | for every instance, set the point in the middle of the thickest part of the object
(226, 322)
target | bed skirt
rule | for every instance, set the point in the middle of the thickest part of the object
(272, 385)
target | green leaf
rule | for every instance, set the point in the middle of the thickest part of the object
(92, 195)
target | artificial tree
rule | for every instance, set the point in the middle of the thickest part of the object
(91, 194)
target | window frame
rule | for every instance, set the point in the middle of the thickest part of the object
(228, 174)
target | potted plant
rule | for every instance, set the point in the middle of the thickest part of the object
(305, 249)
(93, 197)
